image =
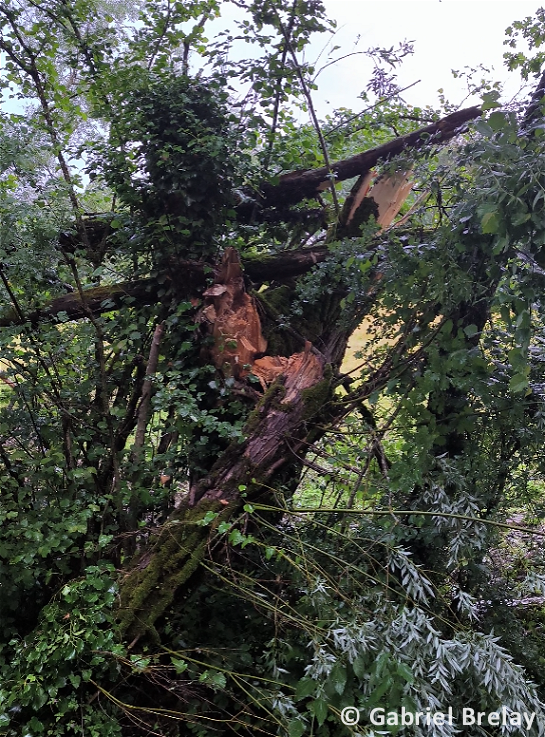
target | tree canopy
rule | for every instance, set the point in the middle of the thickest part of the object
(217, 517)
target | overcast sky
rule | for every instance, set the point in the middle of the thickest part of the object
(448, 34)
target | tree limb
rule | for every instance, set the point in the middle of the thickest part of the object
(97, 300)
(297, 186)
(144, 409)
(533, 111)
(186, 278)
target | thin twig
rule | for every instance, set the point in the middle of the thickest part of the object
(314, 117)
(371, 107)
(143, 410)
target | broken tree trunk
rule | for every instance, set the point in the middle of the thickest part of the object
(290, 415)
(276, 432)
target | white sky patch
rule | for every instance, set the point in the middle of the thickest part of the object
(448, 34)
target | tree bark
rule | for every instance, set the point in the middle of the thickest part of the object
(297, 186)
(279, 428)
(186, 278)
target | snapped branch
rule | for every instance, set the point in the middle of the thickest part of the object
(297, 186)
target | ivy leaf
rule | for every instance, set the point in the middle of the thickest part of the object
(490, 100)
(236, 537)
(207, 519)
(75, 680)
(179, 664)
(213, 678)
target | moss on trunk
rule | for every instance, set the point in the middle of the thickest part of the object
(169, 561)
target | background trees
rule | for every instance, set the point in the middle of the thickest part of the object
(208, 524)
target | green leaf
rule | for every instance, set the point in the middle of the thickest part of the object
(319, 708)
(179, 664)
(208, 518)
(490, 100)
(338, 677)
(497, 121)
(405, 672)
(379, 692)
(296, 728)
(490, 222)
(521, 218)
(519, 383)
(305, 687)
(360, 667)
(236, 537)
(213, 678)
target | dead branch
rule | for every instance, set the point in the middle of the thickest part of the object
(187, 279)
(534, 111)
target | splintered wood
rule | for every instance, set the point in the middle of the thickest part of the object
(389, 193)
(234, 321)
(359, 192)
(301, 370)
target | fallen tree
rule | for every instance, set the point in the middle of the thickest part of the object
(166, 420)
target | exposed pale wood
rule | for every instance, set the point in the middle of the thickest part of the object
(357, 194)
(231, 316)
(390, 193)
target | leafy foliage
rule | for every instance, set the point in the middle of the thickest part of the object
(359, 565)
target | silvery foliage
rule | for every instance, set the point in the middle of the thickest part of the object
(533, 584)
(464, 669)
(411, 577)
(464, 535)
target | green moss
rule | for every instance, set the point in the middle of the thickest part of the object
(277, 301)
(277, 304)
(177, 553)
(315, 398)
(273, 397)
